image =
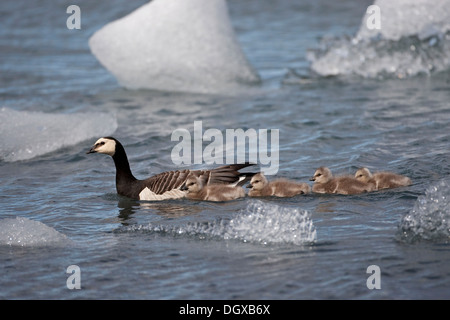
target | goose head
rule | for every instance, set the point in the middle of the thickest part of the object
(363, 175)
(258, 182)
(322, 175)
(106, 145)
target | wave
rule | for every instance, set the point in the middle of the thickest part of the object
(259, 222)
(24, 232)
(430, 217)
(413, 39)
(25, 135)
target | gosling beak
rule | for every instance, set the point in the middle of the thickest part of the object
(249, 186)
(312, 179)
(183, 187)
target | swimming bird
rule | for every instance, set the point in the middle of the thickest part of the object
(196, 190)
(325, 182)
(261, 187)
(165, 185)
(382, 180)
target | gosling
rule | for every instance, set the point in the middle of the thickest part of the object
(382, 180)
(325, 182)
(196, 190)
(261, 187)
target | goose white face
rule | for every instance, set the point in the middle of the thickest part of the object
(104, 145)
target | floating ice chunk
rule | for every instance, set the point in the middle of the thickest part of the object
(413, 39)
(430, 217)
(404, 18)
(176, 45)
(29, 233)
(260, 222)
(24, 135)
(269, 223)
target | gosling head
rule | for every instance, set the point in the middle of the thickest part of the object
(258, 182)
(322, 175)
(106, 145)
(193, 184)
(363, 175)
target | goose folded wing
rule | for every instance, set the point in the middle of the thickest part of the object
(228, 174)
(171, 180)
(166, 181)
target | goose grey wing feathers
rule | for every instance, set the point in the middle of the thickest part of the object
(170, 180)
(166, 181)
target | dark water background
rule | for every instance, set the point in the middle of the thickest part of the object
(244, 249)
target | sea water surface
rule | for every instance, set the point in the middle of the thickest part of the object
(58, 205)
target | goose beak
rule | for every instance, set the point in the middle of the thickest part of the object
(92, 150)
(249, 186)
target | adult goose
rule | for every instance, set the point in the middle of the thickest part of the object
(165, 185)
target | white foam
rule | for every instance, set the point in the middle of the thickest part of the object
(430, 217)
(260, 222)
(413, 39)
(24, 134)
(176, 45)
(24, 232)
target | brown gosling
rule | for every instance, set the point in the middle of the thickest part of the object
(382, 180)
(196, 190)
(325, 182)
(261, 187)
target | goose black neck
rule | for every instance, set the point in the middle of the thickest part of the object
(123, 171)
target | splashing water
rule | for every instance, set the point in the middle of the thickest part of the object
(260, 222)
(430, 217)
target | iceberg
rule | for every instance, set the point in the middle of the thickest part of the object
(174, 45)
(403, 18)
(25, 135)
(413, 39)
(25, 232)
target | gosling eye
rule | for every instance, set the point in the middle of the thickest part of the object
(318, 175)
